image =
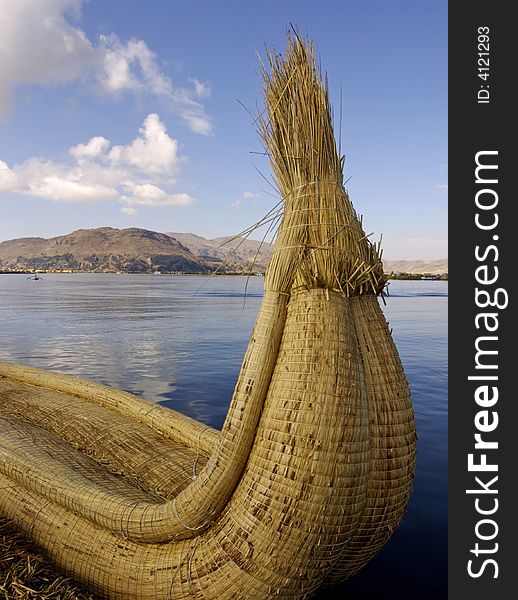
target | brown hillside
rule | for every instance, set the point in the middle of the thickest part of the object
(102, 249)
(238, 251)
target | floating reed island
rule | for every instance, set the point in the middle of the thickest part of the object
(313, 468)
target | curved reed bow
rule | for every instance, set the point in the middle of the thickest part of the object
(313, 468)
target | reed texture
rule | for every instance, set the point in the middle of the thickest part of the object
(313, 468)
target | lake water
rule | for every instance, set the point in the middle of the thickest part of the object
(179, 340)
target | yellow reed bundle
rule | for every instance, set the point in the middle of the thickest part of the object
(321, 242)
(313, 468)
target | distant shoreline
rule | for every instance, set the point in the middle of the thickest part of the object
(392, 276)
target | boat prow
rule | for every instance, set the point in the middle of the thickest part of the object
(312, 470)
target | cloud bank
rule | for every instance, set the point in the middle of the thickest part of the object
(40, 45)
(138, 174)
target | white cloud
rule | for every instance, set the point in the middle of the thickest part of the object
(94, 147)
(246, 196)
(196, 121)
(136, 174)
(127, 210)
(443, 187)
(130, 67)
(152, 152)
(192, 112)
(146, 194)
(8, 179)
(62, 182)
(201, 88)
(65, 189)
(39, 45)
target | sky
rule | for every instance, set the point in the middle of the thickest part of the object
(123, 113)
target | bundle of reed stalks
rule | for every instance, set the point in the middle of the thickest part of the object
(312, 470)
(321, 242)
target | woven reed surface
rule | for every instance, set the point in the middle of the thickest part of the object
(392, 438)
(170, 423)
(296, 506)
(199, 503)
(314, 466)
(122, 444)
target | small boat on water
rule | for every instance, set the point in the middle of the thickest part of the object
(313, 468)
(430, 277)
(157, 272)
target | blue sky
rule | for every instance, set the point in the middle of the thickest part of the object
(125, 114)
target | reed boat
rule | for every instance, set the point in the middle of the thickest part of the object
(313, 468)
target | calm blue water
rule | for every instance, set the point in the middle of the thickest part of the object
(179, 340)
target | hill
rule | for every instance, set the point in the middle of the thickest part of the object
(245, 252)
(238, 253)
(101, 250)
(416, 266)
(135, 250)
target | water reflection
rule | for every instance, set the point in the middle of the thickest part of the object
(167, 339)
